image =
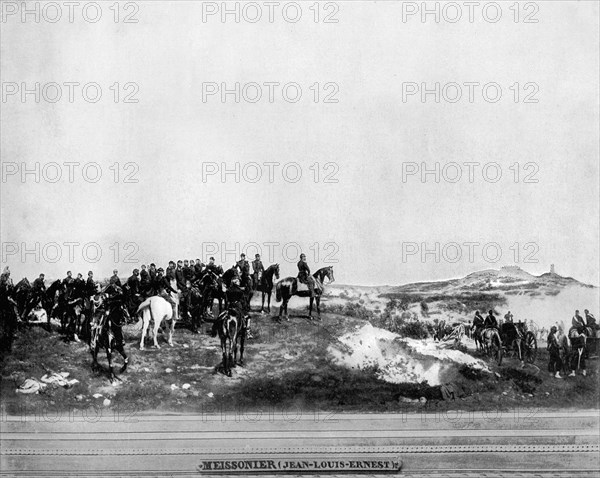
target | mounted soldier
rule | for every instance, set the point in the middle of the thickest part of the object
(90, 285)
(490, 321)
(243, 266)
(164, 289)
(68, 281)
(144, 281)
(590, 320)
(198, 269)
(304, 275)
(212, 267)
(114, 280)
(39, 285)
(257, 271)
(152, 275)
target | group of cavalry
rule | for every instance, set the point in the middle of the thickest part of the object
(567, 351)
(96, 312)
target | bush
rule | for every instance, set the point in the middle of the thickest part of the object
(405, 323)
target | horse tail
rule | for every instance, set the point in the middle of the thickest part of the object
(143, 305)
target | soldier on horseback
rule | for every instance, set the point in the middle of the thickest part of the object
(257, 271)
(144, 281)
(236, 298)
(90, 284)
(304, 275)
(212, 267)
(490, 321)
(590, 320)
(115, 278)
(163, 287)
(67, 281)
(243, 266)
(38, 284)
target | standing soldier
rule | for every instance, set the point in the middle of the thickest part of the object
(555, 364)
(135, 290)
(257, 271)
(115, 279)
(188, 271)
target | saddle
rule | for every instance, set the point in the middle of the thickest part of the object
(301, 286)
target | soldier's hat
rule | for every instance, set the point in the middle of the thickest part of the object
(136, 270)
(160, 269)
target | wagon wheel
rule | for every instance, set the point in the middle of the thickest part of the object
(495, 350)
(530, 347)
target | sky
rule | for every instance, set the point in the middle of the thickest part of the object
(373, 223)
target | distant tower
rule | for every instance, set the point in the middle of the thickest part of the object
(552, 269)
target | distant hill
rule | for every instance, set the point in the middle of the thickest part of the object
(509, 280)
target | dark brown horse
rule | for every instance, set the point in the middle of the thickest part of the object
(288, 287)
(231, 327)
(266, 285)
(106, 331)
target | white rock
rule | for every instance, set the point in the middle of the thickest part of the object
(185, 386)
(169, 370)
(106, 402)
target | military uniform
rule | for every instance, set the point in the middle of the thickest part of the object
(38, 284)
(114, 279)
(198, 270)
(134, 284)
(555, 364)
(144, 278)
(305, 277)
(257, 271)
(90, 286)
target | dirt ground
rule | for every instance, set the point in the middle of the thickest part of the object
(288, 369)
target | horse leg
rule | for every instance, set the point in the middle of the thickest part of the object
(310, 307)
(121, 350)
(242, 340)
(318, 301)
(111, 372)
(157, 324)
(145, 322)
(95, 364)
(171, 332)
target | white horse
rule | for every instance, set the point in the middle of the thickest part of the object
(158, 309)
